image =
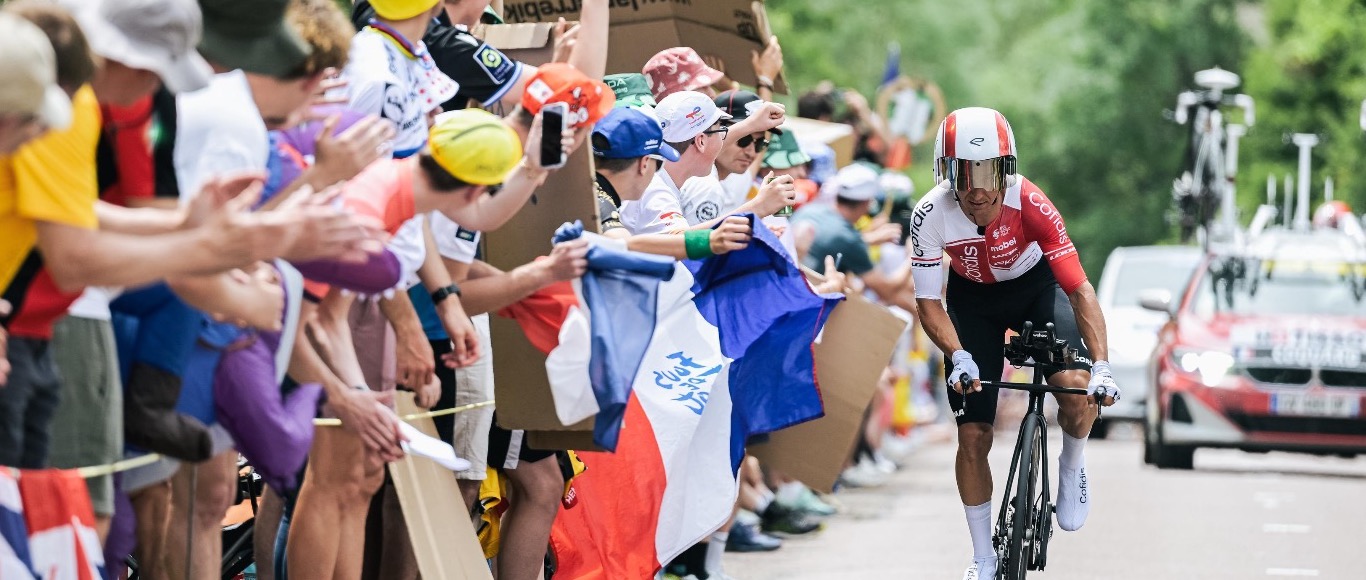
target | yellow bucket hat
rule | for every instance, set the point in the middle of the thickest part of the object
(401, 9)
(474, 146)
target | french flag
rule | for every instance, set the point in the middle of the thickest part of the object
(726, 355)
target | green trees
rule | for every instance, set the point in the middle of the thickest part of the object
(1083, 83)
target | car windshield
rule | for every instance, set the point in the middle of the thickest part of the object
(1254, 287)
(1169, 273)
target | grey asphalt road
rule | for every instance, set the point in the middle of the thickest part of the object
(1235, 516)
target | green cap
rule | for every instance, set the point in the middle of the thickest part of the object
(252, 35)
(784, 153)
(491, 16)
(632, 90)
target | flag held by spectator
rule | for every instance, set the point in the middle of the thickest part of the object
(728, 357)
(14, 557)
(61, 525)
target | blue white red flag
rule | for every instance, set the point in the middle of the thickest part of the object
(61, 525)
(728, 356)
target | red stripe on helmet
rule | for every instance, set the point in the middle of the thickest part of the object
(951, 135)
(1003, 134)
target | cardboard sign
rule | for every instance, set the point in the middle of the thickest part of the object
(532, 43)
(725, 29)
(854, 348)
(838, 136)
(439, 527)
(520, 383)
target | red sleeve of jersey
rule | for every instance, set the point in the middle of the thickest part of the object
(1043, 224)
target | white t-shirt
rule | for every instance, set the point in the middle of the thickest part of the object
(707, 198)
(219, 131)
(407, 244)
(452, 241)
(384, 80)
(658, 210)
(703, 198)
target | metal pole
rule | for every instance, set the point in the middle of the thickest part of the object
(1230, 197)
(1306, 143)
(1289, 190)
(1327, 189)
(1271, 190)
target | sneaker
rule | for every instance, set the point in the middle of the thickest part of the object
(883, 464)
(863, 474)
(745, 538)
(808, 502)
(984, 569)
(785, 520)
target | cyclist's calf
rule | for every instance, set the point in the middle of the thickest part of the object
(1076, 413)
(974, 441)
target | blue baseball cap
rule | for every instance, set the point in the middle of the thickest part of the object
(627, 133)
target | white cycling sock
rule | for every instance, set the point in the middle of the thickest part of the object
(979, 526)
(716, 547)
(765, 498)
(1073, 452)
(1074, 493)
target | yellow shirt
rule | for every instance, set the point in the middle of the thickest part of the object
(51, 179)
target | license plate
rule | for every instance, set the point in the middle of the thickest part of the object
(1315, 405)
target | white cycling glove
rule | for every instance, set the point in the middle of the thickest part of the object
(962, 363)
(1102, 381)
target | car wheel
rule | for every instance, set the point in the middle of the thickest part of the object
(1100, 429)
(1173, 456)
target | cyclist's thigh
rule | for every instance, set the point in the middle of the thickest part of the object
(984, 339)
(1052, 305)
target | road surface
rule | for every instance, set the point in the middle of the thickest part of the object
(1236, 515)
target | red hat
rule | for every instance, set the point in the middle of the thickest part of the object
(588, 99)
(678, 69)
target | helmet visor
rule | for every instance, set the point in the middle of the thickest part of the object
(966, 175)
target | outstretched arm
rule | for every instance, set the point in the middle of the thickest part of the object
(1090, 320)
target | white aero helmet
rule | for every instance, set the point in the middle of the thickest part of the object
(975, 148)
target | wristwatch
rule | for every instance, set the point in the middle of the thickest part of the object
(445, 292)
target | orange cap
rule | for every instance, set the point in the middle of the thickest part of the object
(588, 99)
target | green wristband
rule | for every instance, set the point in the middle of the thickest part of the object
(698, 243)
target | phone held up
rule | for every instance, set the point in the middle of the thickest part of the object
(552, 133)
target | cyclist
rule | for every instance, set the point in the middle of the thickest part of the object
(1011, 261)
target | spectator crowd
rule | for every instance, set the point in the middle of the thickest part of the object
(228, 225)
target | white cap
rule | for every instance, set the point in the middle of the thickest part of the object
(686, 114)
(857, 182)
(155, 35)
(28, 74)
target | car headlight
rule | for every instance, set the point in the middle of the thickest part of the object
(1211, 366)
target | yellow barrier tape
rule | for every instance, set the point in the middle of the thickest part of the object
(117, 466)
(414, 416)
(150, 458)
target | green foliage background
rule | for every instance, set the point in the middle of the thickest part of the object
(1085, 85)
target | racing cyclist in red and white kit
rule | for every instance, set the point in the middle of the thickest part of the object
(1011, 261)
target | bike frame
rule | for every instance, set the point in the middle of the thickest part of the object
(1209, 141)
(1032, 439)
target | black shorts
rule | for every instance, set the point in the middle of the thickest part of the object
(508, 448)
(445, 424)
(981, 314)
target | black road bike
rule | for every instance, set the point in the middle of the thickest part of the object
(1025, 522)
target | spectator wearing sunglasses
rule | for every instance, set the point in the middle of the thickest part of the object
(753, 125)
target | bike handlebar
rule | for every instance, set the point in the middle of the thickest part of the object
(1212, 100)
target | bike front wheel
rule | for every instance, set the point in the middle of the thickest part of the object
(1022, 535)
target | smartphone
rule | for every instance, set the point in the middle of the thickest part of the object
(552, 133)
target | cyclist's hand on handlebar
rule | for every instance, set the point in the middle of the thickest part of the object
(963, 366)
(1102, 386)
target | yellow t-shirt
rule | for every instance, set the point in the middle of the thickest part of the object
(51, 179)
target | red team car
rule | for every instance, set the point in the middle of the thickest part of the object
(1263, 352)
